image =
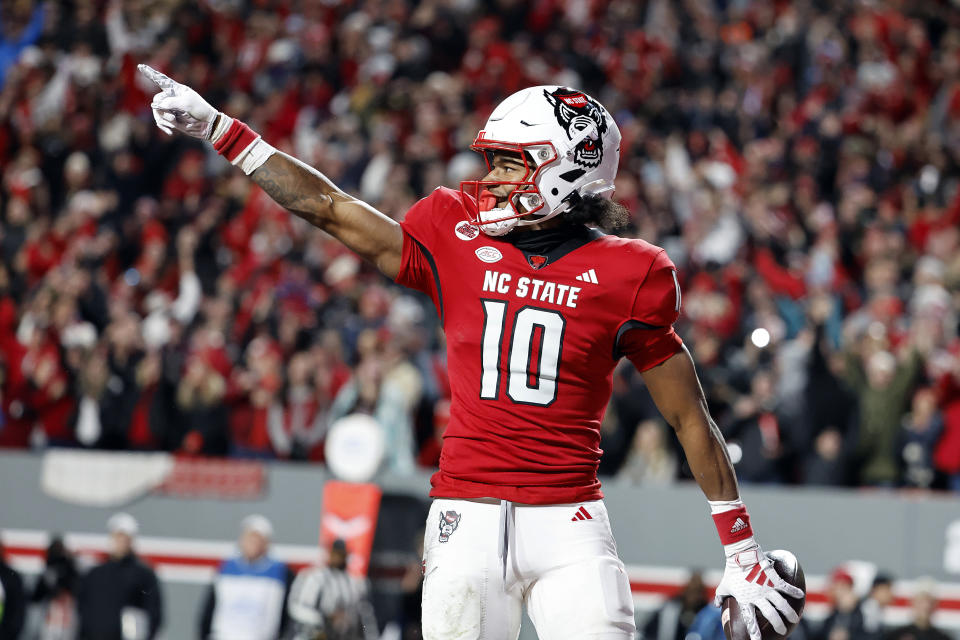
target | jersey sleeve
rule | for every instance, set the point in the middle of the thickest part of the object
(422, 243)
(647, 337)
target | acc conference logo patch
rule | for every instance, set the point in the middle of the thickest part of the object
(489, 254)
(466, 231)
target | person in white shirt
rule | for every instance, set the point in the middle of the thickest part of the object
(245, 601)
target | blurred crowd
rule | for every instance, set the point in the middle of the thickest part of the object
(852, 613)
(117, 596)
(252, 594)
(798, 161)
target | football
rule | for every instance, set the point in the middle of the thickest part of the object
(787, 567)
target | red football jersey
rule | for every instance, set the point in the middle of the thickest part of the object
(532, 341)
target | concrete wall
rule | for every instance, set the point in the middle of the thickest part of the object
(658, 527)
(902, 532)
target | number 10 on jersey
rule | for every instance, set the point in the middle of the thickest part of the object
(535, 338)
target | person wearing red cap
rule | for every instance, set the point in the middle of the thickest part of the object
(844, 621)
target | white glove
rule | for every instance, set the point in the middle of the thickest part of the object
(749, 577)
(178, 107)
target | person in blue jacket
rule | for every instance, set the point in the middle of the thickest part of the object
(15, 36)
(246, 600)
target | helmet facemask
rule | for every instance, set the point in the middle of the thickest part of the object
(524, 205)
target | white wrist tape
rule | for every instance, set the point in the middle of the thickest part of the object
(720, 506)
(253, 156)
(742, 557)
(223, 125)
(739, 549)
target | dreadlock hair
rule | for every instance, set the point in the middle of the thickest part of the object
(595, 211)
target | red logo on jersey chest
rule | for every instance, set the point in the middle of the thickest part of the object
(537, 261)
(466, 231)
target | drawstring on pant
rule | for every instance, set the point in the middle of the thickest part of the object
(506, 513)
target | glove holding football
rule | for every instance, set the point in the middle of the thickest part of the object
(179, 108)
(750, 578)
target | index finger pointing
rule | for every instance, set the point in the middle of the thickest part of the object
(160, 79)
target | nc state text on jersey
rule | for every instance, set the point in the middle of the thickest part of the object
(532, 289)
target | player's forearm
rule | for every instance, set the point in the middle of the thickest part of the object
(309, 194)
(707, 456)
(677, 393)
(299, 188)
(292, 184)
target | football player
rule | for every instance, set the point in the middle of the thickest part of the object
(538, 306)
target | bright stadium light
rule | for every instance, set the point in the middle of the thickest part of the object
(735, 452)
(760, 338)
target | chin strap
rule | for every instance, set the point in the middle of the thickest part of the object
(602, 188)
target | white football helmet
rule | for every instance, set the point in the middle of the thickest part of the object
(569, 144)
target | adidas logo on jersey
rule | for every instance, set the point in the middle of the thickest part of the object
(581, 515)
(588, 276)
(739, 525)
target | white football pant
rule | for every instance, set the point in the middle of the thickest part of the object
(485, 559)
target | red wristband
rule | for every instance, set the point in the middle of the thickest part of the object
(237, 138)
(733, 525)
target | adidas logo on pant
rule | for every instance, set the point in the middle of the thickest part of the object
(581, 515)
